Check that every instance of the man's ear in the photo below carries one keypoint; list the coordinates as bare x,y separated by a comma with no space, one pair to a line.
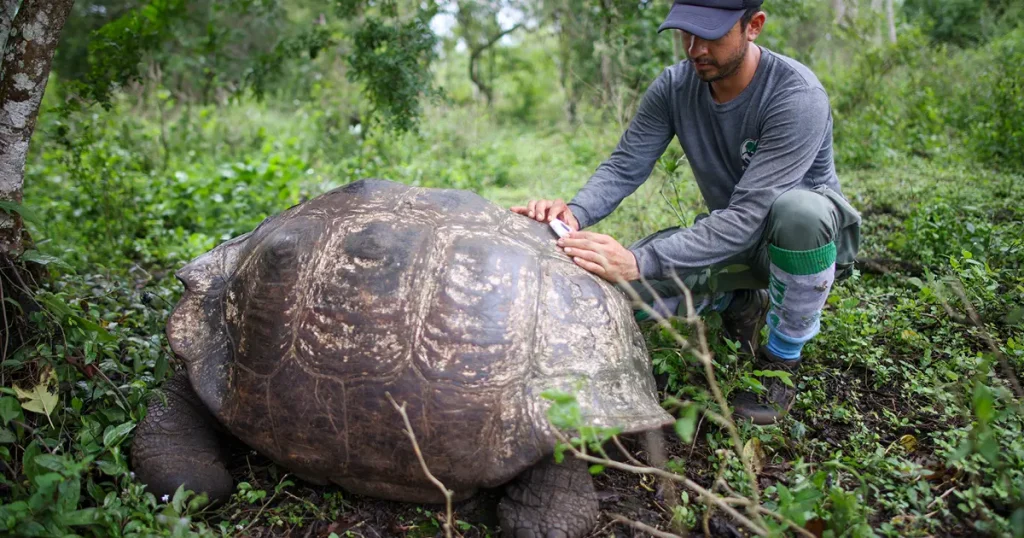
756,25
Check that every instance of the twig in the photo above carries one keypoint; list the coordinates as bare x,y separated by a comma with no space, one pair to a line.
697,488
117,391
703,354
629,456
1008,371
423,464
709,373
262,508
940,497
644,528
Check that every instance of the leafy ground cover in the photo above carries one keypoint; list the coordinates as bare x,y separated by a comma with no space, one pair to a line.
905,424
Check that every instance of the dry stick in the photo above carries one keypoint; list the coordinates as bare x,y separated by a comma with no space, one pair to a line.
629,456
122,397
262,508
709,372
423,464
704,355
644,528
710,497
706,521
1008,372
722,420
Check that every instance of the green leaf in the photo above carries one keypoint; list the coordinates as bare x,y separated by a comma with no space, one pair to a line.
596,469
28,461
558,396
61,310
734,268
983,403
68,494
197,502
1017,523
85,516
559,454
785,497
39,399
10,409
1015,316
49,461
178,500
7,436
686,426
785,377
161,368
26,213
35,256
111,468
114,436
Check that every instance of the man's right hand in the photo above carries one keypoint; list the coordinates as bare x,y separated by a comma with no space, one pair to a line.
547,210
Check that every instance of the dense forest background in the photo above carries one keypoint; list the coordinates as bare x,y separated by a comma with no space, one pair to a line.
169,126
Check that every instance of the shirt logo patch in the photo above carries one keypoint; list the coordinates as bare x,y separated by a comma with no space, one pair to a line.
747,151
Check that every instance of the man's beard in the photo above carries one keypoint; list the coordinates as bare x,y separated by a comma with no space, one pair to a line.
724,70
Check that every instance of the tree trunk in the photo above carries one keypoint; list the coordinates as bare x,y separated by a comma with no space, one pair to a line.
474,62
606,56
28,53
890,18
7,10
839,10
565,62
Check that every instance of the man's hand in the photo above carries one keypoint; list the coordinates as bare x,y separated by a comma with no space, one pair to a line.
547,210
601,255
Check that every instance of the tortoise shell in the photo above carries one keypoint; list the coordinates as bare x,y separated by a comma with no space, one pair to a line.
294,334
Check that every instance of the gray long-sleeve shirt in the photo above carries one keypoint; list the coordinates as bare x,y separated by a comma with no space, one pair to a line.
775,136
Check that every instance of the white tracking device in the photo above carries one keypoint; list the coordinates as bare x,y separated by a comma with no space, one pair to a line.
561,229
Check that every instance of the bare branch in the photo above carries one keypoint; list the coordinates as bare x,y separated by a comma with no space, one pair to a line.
689,484
972,315
643,528
448,526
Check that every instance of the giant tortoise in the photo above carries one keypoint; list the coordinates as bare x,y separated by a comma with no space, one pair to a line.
294,334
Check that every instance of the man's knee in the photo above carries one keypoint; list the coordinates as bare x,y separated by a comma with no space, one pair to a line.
801,220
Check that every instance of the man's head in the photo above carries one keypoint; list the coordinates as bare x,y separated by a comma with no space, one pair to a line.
716,33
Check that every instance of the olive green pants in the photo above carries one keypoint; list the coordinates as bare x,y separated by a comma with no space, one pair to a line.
798,220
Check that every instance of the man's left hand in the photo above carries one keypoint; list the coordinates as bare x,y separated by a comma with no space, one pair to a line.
601,255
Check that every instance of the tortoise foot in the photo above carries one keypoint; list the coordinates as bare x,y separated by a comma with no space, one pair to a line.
178,443
550,500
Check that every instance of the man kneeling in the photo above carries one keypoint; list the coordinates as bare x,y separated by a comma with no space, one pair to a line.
756,128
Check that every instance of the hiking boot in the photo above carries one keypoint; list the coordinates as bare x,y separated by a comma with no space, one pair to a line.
743,319
778,397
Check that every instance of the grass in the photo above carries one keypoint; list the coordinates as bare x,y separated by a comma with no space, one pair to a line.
904,425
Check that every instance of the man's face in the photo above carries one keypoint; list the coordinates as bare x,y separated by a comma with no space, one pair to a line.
716,60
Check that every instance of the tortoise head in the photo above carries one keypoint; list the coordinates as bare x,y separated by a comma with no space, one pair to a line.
196,330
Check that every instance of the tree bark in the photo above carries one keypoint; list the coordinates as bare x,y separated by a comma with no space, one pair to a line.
7,10
839,10
890,18
565,57
28,54
606,57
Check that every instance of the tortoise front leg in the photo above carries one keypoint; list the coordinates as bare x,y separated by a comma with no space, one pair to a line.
178,443
550,500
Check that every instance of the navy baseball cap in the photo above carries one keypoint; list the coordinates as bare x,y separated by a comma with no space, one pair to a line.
707,19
